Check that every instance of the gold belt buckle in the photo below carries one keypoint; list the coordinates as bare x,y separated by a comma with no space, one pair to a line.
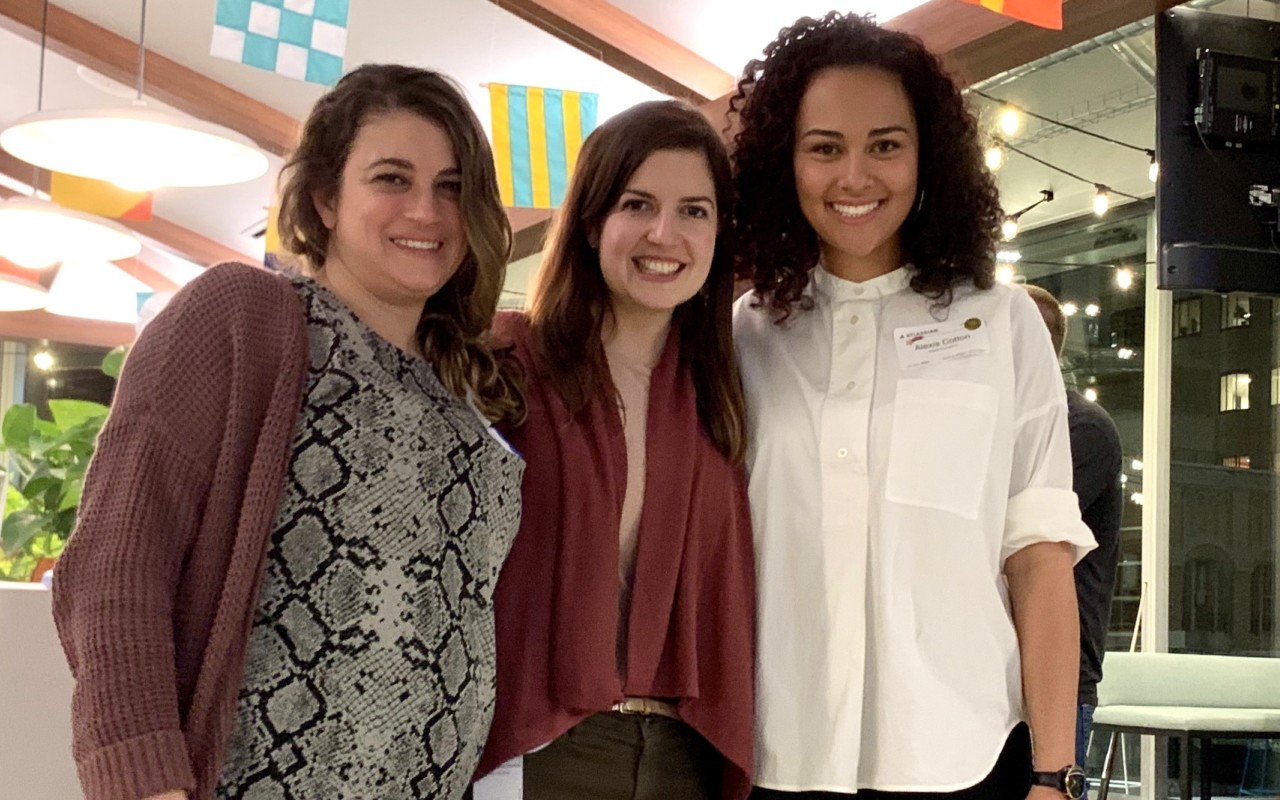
645,706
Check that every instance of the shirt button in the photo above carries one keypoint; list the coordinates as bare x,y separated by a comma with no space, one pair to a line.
842,453
857,291
850,385
853,320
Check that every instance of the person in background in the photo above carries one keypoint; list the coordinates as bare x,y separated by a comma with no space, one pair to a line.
281,580
909,464
1097,463
626,609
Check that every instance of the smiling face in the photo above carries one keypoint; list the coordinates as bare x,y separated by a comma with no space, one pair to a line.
856,160
396,231
658,239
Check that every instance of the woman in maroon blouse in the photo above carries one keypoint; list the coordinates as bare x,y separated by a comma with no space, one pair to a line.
626,611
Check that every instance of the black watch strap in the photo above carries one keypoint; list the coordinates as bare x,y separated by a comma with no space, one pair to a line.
1069,780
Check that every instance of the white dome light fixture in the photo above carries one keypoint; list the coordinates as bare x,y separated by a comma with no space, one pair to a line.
35,234
18,293
95,290
137,148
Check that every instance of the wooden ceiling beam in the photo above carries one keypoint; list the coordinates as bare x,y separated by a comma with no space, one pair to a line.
37,325
115,56
626,44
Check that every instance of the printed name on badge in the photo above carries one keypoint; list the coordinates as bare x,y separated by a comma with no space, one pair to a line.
941,341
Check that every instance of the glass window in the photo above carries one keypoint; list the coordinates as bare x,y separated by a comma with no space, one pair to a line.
1186,317
1237,462
1234,395
1235,311
1103,353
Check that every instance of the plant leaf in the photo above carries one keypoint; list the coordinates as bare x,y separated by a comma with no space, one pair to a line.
19,422
71,494
19,528
68,414
114,362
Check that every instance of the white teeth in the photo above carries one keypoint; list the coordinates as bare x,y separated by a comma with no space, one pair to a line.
417,244
855,211
658,267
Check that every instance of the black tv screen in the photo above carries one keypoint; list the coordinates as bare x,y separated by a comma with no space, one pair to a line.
1216,115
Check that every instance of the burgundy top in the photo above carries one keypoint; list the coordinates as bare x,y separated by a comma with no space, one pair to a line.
691,630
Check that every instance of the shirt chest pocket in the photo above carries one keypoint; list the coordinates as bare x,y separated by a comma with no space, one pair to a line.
940,445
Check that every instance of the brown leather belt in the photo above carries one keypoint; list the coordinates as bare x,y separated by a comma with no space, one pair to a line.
646,706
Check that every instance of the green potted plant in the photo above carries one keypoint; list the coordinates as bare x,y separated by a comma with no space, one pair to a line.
47,459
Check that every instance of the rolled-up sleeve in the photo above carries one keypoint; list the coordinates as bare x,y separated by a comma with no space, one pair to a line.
1042,506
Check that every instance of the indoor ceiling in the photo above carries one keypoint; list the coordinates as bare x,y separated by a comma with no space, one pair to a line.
623,50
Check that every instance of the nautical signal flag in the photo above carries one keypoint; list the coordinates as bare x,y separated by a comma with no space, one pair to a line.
1044,13
537,134
99,197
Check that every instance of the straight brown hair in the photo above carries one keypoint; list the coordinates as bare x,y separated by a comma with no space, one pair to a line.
569,298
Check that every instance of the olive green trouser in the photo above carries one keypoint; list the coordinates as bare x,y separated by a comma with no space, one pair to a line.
616,756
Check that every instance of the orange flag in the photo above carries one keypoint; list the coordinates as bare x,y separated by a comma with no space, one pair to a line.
1045,13
99,197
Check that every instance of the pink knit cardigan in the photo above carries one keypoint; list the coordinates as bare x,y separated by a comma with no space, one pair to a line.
154,596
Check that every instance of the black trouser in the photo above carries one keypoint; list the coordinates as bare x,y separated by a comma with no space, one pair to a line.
1010,779
625,757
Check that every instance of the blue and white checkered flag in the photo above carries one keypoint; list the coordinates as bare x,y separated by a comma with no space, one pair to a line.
303,39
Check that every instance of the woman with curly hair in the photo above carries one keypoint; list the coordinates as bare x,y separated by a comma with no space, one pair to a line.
910,470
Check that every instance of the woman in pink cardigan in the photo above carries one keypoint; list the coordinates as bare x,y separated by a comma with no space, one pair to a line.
281,580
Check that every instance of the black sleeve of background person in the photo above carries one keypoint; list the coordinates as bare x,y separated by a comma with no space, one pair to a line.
1096,458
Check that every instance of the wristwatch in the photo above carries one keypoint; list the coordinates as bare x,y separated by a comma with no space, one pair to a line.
1069,780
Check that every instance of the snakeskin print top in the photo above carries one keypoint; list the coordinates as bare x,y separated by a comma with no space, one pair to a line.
370,664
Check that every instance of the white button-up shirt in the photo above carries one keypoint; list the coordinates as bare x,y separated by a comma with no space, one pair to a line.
898,455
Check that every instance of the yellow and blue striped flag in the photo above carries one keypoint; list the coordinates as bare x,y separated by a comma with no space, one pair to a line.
537,134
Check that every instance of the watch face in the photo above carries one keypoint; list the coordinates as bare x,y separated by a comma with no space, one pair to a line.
1074,783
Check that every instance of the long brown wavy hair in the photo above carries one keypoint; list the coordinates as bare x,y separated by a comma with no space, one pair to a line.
452,331
569,298
949,238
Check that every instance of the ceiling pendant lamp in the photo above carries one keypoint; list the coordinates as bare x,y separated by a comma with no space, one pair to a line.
138,148
36,233
17,291
95,290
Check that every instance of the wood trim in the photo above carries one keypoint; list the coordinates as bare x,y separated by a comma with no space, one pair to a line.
1012,46
168,81
626,44
148,274
529,240
43,325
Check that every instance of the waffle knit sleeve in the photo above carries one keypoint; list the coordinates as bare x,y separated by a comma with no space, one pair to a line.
143,500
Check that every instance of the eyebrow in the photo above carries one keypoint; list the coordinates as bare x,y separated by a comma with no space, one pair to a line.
874,132
400,163
650,196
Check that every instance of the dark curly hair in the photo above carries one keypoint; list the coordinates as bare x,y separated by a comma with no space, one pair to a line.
950,237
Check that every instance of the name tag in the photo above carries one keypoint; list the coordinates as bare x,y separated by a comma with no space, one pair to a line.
941,341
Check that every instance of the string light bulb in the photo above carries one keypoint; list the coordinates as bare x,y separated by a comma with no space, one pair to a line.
1070,309
1010,121
1101,200
994,156
1124,278
1004,273
1091,394
1009,228
1153,171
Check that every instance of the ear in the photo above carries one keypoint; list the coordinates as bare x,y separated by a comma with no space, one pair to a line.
593,238
326,208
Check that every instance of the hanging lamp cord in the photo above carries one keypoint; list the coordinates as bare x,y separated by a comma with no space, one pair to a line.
142,48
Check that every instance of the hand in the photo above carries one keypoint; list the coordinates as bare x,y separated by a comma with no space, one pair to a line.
174,795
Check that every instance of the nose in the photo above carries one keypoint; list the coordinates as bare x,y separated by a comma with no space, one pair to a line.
855,173
423,205
662,230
